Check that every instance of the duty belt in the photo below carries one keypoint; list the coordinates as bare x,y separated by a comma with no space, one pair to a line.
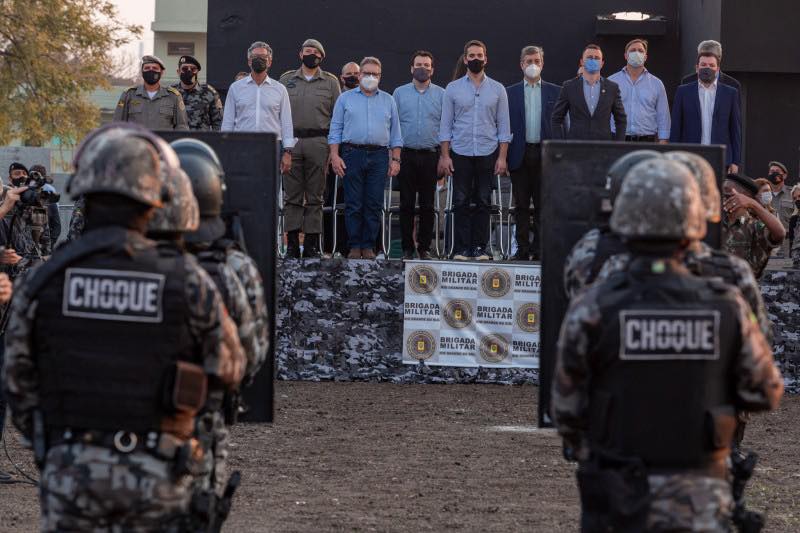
162,445
366,147
422,150
308,133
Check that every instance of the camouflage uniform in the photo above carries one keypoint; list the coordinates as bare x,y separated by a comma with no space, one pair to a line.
247,271
76,221
19,223
698,258
203,106
85,485
590,352
748,238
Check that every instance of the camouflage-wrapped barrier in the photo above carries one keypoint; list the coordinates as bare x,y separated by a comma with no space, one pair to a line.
342,320
781,290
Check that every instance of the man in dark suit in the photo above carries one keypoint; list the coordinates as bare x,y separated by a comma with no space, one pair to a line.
530,104
707,112
715,48
590,100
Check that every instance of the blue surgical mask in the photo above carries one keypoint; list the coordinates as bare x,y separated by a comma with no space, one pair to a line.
591,66
635,59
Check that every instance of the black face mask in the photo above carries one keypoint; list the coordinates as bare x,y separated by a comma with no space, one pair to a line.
773,178
311,61
706,74
475,65
151,77
187,77
259,64
421,74
797,204
351,82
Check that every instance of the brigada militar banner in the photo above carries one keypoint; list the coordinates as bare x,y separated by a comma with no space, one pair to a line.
471,314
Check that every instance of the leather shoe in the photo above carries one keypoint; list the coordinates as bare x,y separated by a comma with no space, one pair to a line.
355,253
367,253
425,255
408,255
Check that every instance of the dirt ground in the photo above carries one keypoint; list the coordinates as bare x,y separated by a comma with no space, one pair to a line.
382,457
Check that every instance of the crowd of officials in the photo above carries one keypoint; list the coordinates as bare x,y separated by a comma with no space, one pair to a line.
471,130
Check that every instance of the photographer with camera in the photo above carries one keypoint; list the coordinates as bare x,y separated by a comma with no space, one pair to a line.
53,218
25,231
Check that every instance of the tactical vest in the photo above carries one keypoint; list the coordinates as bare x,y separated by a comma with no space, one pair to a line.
717,264
111,325
660,387
211,260
609,244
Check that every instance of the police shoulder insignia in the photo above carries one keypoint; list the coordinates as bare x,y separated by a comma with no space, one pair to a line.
174,91
113,295
210,88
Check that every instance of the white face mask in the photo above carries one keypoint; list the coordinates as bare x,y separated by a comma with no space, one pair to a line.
369,83
532,71
635,59
766,198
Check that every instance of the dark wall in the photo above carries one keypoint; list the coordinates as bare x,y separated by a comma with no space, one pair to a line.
349,30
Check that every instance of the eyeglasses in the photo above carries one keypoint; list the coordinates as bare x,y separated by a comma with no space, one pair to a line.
376,74
189,69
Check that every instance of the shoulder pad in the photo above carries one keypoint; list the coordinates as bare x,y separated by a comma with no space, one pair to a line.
174,91
288,72
131,88
210,88
717,284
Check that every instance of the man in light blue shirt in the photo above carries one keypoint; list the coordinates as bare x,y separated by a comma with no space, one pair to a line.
419,104
475,123
366,125
643,96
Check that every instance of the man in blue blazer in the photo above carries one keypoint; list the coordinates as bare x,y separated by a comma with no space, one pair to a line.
708,112
530,104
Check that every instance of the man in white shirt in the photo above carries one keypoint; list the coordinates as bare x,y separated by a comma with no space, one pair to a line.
260,104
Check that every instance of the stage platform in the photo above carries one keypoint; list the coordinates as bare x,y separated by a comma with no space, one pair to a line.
342,320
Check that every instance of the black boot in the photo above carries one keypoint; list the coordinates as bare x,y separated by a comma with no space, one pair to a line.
311,246
293,245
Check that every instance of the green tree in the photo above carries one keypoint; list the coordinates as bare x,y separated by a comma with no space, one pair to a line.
53,53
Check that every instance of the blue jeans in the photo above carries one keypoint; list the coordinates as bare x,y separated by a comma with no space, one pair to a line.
472,193
364,182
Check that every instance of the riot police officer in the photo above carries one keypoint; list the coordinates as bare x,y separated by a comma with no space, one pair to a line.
110,349
598,244
210,243
652,365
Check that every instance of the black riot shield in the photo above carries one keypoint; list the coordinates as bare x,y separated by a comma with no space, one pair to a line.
251,178
573,187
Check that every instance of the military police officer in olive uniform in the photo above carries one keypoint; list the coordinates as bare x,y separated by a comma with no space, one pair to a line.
312,93
203,106
109,351
151,105
652,366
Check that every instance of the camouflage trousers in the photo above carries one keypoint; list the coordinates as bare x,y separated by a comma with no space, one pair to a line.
214,472
90,488
689,503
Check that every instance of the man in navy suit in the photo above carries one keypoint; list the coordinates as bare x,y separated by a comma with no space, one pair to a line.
707,112
530,104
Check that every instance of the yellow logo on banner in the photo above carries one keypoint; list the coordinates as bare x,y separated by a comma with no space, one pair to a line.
421,345
458,314
496,282
528,317
494,348
422,279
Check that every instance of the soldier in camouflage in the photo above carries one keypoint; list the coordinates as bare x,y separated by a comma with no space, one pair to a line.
598,244
203,106
700,258
110,414
652,455
749,230
225,264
